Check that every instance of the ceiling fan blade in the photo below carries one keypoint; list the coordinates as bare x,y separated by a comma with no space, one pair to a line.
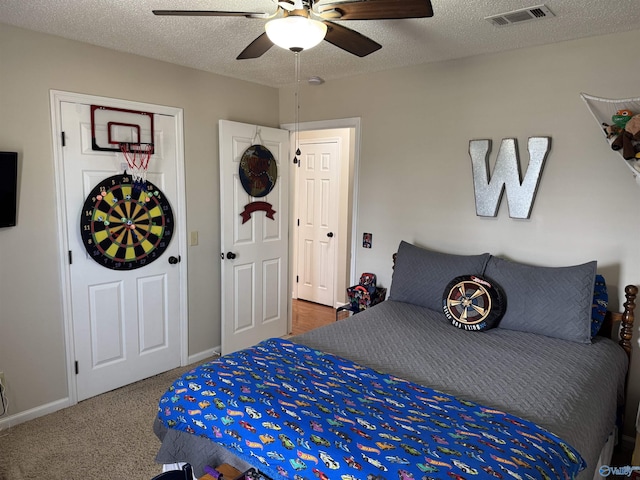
256,48
378,9
350,40
208,13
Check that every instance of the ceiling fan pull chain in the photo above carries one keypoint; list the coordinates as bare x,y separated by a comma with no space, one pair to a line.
297,106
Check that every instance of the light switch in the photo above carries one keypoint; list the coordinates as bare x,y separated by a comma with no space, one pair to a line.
193,240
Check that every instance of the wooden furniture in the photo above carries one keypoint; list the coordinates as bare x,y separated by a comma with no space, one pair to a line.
623,320
626,318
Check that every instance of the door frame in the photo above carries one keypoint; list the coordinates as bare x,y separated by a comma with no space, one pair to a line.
57,97
352,122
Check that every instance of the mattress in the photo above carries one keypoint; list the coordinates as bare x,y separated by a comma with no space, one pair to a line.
570,389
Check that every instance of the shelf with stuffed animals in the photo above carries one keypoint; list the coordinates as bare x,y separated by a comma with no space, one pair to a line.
619,120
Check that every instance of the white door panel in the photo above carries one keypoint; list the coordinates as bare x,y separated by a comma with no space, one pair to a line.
318,178
254,281
126,324
106,323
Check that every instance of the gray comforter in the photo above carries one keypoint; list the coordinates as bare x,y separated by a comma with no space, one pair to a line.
570,389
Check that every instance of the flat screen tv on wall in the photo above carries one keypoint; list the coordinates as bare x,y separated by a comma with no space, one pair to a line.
8,188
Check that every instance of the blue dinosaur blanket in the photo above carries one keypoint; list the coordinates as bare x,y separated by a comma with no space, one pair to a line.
295,412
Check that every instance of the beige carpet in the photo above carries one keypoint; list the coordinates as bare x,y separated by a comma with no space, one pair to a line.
108,437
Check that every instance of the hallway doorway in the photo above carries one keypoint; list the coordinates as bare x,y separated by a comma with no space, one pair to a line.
346,255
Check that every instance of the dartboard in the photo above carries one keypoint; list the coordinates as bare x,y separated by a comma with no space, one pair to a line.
126,225
258,171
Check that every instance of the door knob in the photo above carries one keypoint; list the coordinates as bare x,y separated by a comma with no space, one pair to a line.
231,255
173,260
330,234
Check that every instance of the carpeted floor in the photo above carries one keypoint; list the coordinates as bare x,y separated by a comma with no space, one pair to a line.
105,437
108,437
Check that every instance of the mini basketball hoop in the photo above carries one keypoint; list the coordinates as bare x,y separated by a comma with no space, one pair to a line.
137,156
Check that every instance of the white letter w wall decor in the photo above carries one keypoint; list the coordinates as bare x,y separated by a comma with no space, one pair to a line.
506,173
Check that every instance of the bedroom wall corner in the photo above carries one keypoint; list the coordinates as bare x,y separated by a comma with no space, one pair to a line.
415,178
32,349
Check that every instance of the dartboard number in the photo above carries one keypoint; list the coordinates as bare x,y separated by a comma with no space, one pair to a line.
126,225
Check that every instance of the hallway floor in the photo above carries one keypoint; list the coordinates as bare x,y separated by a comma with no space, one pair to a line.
308,315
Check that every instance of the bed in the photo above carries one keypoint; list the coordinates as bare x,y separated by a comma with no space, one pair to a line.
402,390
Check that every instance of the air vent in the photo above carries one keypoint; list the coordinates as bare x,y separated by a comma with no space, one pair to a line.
518,16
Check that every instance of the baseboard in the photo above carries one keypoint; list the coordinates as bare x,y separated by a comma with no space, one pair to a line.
199,357
13,420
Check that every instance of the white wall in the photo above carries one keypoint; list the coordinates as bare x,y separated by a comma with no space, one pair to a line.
414,181
415,178
32,350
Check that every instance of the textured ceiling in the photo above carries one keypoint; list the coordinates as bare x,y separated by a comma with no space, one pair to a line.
457,29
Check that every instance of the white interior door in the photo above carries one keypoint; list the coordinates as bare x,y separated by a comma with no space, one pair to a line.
318,199
126,322
254,240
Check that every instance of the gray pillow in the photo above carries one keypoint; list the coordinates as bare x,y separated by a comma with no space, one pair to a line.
551,301
421,275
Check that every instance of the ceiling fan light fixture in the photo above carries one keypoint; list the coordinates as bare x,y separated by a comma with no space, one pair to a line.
295,32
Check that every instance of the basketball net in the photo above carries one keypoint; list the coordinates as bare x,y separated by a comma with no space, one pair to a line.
137,156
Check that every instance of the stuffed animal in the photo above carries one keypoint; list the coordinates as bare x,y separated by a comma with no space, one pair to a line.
611,130
625,139
624,142
633,127
621,117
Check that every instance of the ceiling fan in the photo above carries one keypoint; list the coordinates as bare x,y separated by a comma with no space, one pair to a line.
317,18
